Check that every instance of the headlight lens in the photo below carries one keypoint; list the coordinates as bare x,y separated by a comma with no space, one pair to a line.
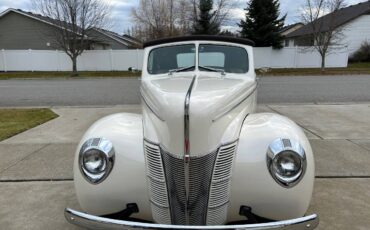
286,161
96,159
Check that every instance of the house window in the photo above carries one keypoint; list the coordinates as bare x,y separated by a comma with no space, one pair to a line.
286,42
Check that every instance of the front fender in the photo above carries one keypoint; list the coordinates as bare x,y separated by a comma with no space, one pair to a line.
127,181
252,184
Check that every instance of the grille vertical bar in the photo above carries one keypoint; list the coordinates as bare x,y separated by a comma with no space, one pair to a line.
157,184
221,185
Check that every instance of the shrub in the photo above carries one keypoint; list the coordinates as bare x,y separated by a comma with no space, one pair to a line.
362,54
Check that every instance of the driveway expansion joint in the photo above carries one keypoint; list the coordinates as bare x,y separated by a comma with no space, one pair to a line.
308,130
24,158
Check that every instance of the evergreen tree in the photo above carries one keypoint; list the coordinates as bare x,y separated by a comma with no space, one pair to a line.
206,23
262,23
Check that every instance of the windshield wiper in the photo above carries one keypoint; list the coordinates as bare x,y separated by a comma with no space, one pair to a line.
223,73
180,70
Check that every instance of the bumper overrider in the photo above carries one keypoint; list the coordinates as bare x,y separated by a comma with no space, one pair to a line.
95,222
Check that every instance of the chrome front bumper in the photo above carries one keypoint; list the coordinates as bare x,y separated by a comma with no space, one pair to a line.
94,222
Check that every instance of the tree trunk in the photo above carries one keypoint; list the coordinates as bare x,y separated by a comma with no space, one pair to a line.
74,68
323,63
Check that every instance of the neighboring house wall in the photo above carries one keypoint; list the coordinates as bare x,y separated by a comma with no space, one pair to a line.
356,32
113,44
19,32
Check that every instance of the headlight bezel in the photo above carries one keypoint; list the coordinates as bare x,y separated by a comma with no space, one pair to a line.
277,149
106,149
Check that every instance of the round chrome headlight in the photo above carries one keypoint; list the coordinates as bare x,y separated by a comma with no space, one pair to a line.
96,159
286,161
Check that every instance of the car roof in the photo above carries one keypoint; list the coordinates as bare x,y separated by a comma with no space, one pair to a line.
218,38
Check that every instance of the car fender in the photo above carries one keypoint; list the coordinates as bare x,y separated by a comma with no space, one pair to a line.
127,181
252,184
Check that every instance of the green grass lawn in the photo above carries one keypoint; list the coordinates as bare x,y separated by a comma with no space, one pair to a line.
84,74
353,68
15,121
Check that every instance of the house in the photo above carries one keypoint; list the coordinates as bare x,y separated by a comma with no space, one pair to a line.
21,30
289,29
354,21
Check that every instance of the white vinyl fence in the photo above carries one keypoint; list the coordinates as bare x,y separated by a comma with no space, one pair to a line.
120,60
298,57
94,60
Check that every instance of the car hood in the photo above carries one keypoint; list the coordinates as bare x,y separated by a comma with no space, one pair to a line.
211,99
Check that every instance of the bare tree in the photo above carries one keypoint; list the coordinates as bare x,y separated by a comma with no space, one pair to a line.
326,35
73,20
165,18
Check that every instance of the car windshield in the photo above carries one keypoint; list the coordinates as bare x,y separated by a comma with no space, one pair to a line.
212,58
172,59
230,59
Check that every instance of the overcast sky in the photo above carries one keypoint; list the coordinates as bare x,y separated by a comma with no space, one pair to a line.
122,9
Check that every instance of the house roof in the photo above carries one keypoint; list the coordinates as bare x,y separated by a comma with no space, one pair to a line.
126,40
38,17
335,19
288,27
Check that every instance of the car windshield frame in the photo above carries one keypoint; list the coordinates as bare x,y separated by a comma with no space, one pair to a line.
197,59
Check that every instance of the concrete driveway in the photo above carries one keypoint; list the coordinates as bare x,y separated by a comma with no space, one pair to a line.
36,166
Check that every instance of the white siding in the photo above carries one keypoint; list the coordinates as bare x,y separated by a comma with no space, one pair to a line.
356,32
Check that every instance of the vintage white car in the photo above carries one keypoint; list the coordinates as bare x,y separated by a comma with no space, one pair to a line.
199,156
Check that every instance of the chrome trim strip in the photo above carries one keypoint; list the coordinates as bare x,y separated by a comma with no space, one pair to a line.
150,108
235,106
94,222
187,145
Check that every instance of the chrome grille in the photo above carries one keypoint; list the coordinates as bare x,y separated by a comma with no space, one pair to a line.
199,180
175,176
221,184
157,184
200,173
209,186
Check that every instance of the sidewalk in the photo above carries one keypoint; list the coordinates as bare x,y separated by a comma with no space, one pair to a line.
36,166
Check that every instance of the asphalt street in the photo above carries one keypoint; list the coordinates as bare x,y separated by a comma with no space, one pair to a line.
119,91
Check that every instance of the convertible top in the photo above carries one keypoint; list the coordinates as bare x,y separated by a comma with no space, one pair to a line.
218,38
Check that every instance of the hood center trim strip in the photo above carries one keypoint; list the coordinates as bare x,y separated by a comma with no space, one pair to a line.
187,145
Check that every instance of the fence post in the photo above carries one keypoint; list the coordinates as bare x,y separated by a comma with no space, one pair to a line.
4,60
137,59
295,57
30,60
57,60
111,59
